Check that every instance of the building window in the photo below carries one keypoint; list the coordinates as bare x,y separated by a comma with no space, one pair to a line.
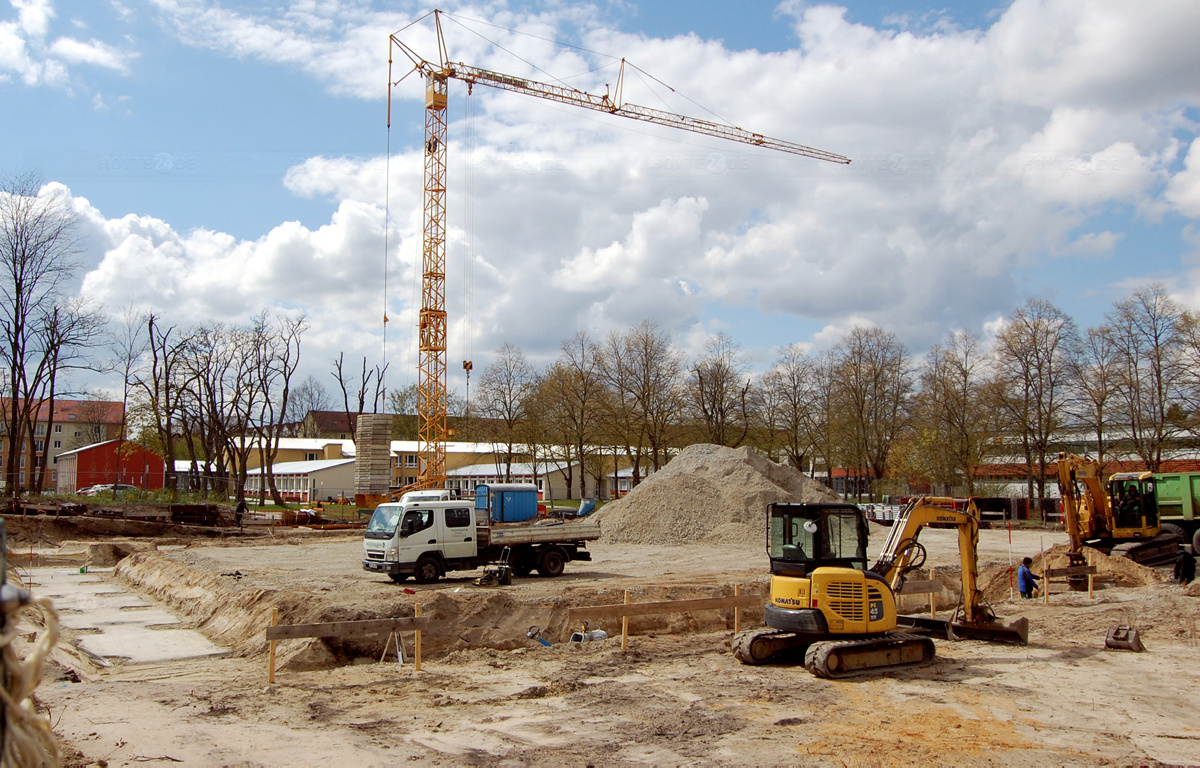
410,460
58,429
39,430
39,446
78,433
311,457
58,443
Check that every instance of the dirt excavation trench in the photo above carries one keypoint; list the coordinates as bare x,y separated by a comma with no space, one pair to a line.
489,695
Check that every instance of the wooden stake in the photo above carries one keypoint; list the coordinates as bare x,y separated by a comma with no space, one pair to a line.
417,649
271,661
625,626
737,612
1091,577
933,595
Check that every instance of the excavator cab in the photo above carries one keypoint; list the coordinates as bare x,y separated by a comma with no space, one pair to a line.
1134,505
804,537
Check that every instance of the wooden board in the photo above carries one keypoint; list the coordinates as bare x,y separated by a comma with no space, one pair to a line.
347,628
920,587
1074,570
669,606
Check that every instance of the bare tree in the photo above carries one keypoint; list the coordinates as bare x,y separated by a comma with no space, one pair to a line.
1151,371
1095,382
873,384
794,387
575,395
355,393
39,243
952,423
1035,355
307,396
502,397
719,391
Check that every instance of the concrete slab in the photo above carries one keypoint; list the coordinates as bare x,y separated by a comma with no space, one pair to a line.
106,616
144,646
125,622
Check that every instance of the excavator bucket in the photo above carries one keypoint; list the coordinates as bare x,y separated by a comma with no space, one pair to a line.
1016,633
1124,639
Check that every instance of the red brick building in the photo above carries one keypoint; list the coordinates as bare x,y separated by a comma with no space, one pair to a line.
77,423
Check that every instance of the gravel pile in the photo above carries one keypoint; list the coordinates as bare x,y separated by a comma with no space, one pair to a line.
707,494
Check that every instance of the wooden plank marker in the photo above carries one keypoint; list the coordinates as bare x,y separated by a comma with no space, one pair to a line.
625,626
271,661
417,649
737,611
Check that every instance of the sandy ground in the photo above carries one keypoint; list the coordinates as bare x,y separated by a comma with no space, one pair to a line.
676,697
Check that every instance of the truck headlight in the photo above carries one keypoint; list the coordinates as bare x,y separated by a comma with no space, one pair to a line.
391,554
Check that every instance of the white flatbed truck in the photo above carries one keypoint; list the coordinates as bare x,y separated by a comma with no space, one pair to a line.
426,538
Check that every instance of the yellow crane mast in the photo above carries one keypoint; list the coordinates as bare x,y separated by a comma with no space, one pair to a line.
432,432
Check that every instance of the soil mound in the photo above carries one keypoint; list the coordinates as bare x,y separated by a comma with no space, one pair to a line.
708,493
1119,571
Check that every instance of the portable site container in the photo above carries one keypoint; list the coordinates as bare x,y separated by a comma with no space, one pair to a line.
1178,495
507,502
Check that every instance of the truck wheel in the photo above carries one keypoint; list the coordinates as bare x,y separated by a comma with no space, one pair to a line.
552,563
1196,542
427,570
399,578
522,567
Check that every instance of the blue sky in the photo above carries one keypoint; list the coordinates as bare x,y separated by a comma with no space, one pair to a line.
231,157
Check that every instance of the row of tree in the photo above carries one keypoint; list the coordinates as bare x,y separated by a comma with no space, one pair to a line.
1127,389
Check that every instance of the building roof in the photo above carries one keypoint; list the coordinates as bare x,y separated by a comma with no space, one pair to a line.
334,421
489,469
301,467
77,411
93,446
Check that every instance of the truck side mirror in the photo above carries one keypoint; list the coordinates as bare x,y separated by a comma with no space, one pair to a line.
406,528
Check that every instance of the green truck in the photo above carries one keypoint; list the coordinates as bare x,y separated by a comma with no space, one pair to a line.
1178,495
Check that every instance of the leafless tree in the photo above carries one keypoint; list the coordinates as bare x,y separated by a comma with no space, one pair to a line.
719,392
1151,370
502,397
793,384
574,392
952,423
39,243
1096,380
307,396
873,386
1035,354
355,393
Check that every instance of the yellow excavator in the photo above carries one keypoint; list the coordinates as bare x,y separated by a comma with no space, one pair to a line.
841,615
1123,521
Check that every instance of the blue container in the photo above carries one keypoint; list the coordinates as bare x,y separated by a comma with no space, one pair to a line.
507,502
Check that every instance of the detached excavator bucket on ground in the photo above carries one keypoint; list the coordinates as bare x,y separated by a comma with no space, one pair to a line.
1124,639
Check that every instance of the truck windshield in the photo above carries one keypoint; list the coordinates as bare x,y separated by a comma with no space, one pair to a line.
385,519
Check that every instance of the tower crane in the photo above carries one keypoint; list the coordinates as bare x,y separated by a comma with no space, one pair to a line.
432,431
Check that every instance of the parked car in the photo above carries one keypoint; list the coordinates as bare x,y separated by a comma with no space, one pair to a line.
115,489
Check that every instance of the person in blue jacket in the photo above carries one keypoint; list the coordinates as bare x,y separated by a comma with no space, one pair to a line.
1026,581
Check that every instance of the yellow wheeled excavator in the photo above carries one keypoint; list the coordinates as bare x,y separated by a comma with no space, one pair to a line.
827,605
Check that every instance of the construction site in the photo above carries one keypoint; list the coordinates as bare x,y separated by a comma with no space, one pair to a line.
164,655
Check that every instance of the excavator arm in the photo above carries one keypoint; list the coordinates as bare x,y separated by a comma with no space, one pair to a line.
902,552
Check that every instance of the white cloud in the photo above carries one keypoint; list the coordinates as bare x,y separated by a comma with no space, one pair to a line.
25,52
976,154
92,52
1184,190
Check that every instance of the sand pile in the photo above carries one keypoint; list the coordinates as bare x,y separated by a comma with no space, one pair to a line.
1118,571
708,493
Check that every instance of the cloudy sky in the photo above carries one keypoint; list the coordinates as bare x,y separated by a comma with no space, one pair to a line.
229,157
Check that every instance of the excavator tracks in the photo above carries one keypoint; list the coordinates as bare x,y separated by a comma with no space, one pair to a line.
762,646
842,658
1160,550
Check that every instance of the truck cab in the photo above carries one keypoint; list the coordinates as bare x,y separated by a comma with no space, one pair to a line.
420,537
